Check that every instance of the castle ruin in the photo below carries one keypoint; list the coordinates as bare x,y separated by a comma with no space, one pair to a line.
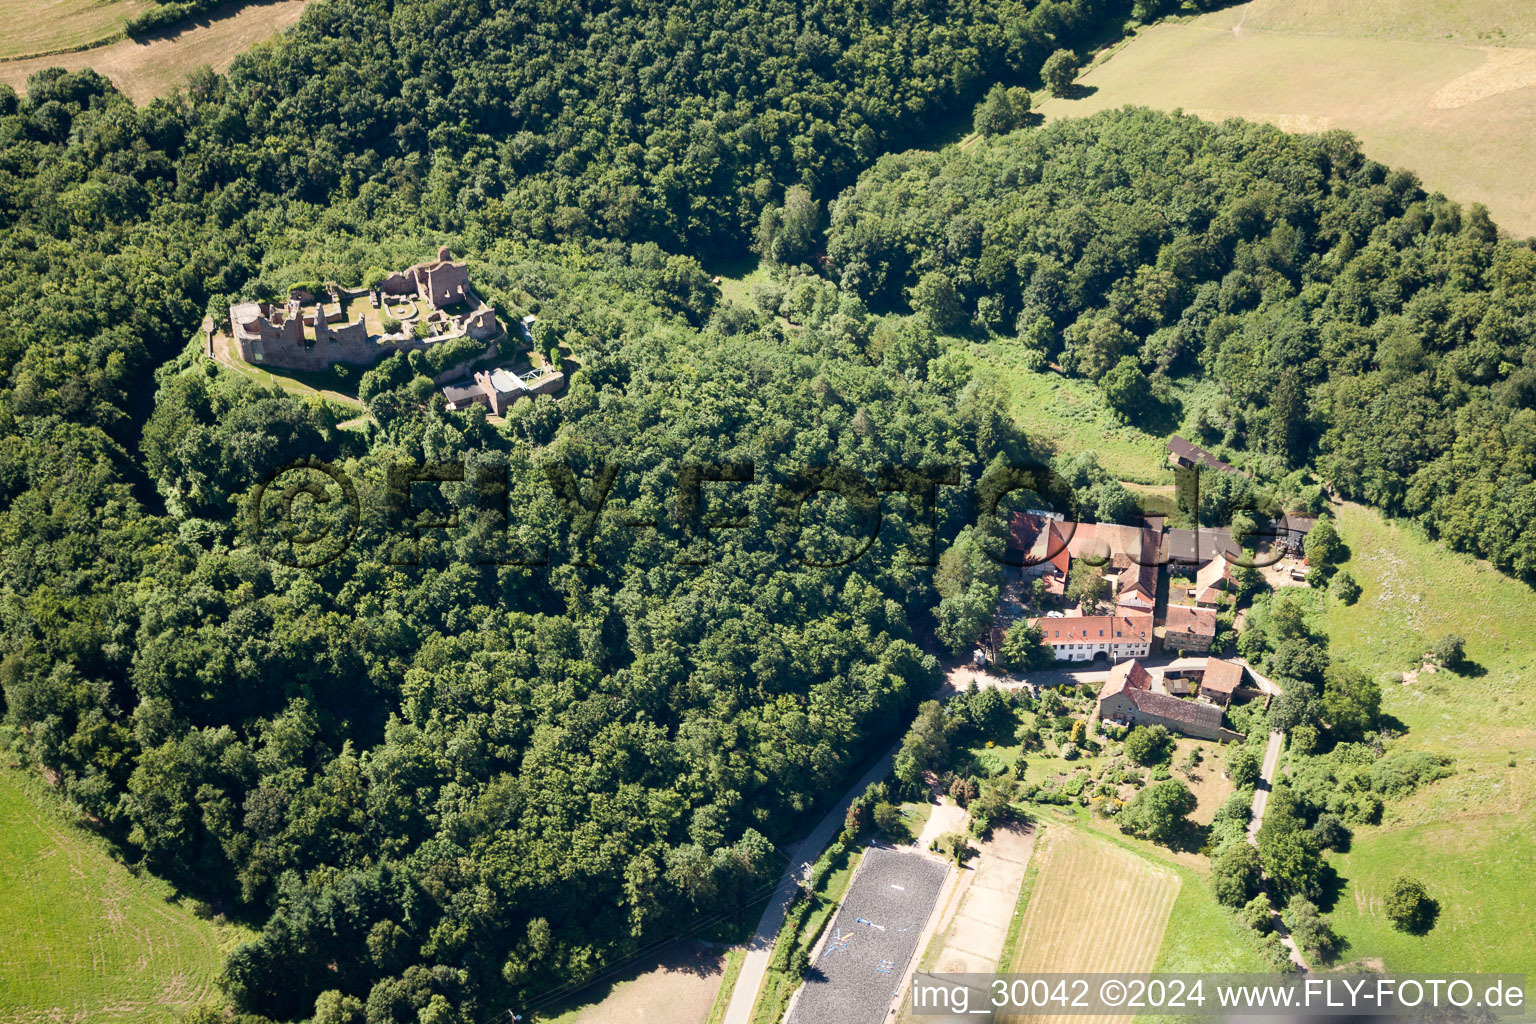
307,333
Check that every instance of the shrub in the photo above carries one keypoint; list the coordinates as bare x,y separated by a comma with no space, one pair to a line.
989,764
1243,768
1450,651
1409,906
388,323
1311,930
963,791
1275,952
1397,775
1345,588
1257,914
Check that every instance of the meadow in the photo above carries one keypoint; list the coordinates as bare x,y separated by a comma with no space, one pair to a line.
84,939
1468,837
1447,90
1070,415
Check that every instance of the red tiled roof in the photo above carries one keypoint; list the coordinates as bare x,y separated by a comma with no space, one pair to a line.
1221,676
1194,621
1080,629
1128,675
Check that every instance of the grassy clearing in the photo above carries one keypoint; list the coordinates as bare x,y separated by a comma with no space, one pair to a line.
736,282
733,962
1425,85
1205,780
1070,415
1476,868
83,938
1413,591
146,70
1467,837
63,24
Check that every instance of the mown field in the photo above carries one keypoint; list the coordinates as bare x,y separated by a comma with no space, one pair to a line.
62,24
1094,906
679,987
1447,90
146,70
1468,837
83,939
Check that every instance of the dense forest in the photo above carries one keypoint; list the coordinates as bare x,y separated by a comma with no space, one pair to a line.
439,790
445,788
1287,296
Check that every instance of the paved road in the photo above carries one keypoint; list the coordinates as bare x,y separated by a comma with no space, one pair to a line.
755,966
1266,781
1261,801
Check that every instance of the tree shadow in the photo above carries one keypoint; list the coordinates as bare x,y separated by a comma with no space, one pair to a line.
1190,838
1158,415
1334,953
195,22
1079,91
1470,669
1330,886
1424,920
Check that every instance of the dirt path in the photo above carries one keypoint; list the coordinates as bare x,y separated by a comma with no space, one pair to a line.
975,938
947,816
149,69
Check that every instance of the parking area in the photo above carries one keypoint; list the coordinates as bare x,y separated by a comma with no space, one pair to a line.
869,944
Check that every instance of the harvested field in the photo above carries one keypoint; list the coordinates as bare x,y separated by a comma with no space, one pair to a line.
69,24
870,942
1447,91
145,70
677,987
1095,907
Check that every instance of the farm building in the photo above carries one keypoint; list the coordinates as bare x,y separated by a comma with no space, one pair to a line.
1085,637
1128,698
1189,629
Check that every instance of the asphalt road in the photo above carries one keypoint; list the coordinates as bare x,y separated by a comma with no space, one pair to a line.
1261,801
760,949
